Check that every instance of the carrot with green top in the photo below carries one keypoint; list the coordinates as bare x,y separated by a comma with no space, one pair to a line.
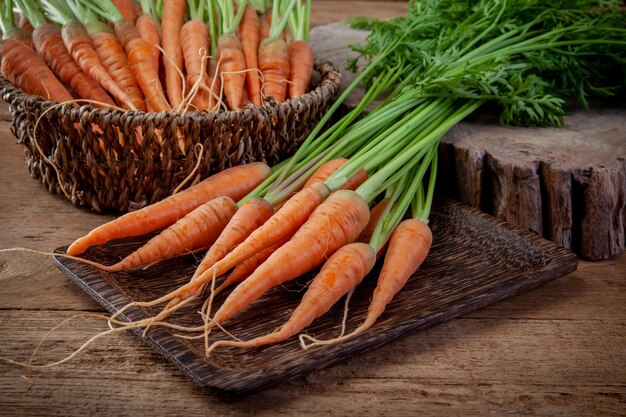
22,66
148,26
80,47
274,55
301,54
171,22
195,43
230,56
110,53
139,55
249,36
48,42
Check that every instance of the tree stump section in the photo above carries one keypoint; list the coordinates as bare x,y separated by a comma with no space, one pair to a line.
565,184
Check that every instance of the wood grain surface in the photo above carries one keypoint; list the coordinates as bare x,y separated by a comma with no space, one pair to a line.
556,350
475,260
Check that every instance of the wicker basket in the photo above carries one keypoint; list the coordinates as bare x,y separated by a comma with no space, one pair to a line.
102,172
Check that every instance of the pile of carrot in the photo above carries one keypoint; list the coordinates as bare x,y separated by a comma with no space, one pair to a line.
169,55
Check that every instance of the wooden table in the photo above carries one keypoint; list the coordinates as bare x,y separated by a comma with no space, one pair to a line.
559,349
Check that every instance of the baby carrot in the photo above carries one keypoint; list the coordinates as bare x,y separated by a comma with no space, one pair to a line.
249,36
335,223
343,271
171,23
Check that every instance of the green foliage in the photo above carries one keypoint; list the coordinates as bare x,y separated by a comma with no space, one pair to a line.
527,55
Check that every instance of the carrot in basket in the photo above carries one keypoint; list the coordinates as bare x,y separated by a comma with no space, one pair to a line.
171,23
194,40
48,43
232,69
335,223
80,47
126,9
110,53
22,66
328,168
148,29
344,270
274,55
233,182
301,55
249,36
198,229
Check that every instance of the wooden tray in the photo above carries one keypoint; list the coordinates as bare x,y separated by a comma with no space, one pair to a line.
475,260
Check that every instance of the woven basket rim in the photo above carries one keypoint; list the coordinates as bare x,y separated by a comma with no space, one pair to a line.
330,79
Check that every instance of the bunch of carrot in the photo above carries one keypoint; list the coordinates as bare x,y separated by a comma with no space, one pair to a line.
170,55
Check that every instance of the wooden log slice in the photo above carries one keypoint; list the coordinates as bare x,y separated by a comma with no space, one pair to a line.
565,184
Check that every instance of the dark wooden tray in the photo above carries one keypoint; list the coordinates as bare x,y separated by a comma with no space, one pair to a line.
475,260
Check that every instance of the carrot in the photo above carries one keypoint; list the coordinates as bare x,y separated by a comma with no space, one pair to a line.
232,67
194,39
113,58
327,169
80,47
343,271
252,215
335,223
148,29
171,23
408,247
285,222
247,267
274,65
141,62
126,9
249,36
234,182
26,70
301,59
264,26
48,43
375,215
23,23
198,229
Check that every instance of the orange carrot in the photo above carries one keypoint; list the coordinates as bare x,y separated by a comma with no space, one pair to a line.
48,43
274,65
149,31
335,223
408,247
375,214
141,63
264,26
198,229
171,23
232,67
247,267
285,222
249,36
234,182
301,59
126,9
250,216
80,47
327,169
194,40
343,271
113,58
26,70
